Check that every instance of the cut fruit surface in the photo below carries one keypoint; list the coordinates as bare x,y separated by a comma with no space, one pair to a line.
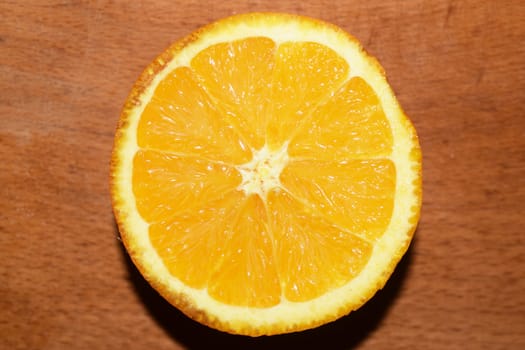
264,178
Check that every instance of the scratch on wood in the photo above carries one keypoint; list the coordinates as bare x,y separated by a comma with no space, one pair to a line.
371,37
451,8
479,75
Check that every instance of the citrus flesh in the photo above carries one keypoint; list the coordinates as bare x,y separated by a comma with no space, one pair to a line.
264,178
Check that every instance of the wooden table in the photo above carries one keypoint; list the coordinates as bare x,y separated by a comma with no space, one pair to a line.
66,67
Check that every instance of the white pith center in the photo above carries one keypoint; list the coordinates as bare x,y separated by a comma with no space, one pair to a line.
261,174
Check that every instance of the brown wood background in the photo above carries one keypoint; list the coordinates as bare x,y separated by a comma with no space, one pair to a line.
66,67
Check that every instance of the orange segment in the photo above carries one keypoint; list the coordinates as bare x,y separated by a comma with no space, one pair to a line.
357,194
238,75
190,244
350,124
247,273
313,256
181,118
166,184
304,74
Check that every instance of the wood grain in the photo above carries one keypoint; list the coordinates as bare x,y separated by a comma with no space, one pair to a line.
66,68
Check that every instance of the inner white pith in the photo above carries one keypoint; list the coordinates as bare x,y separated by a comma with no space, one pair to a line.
261,174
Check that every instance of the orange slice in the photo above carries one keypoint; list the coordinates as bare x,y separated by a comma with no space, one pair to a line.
264,178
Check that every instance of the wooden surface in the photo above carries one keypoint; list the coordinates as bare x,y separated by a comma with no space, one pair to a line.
66,67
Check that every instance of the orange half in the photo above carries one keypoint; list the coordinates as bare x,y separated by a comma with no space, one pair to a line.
264,178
